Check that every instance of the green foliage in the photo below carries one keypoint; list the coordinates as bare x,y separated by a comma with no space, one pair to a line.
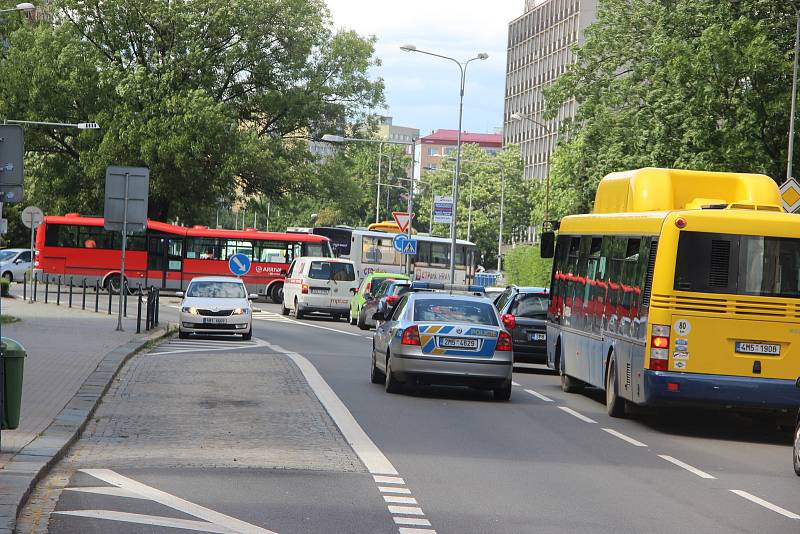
674,83
215,97
4,287
523,266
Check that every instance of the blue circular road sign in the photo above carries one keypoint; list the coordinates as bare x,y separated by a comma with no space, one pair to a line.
239,264
399,242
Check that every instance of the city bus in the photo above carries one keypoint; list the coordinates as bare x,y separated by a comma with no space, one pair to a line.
372,251
168,256
681,288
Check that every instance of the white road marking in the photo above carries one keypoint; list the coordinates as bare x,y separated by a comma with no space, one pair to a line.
417,531
230,524
412,521
187,524
388,489
107,490
374,460
623,437
539,395
208,345
766,504
406,510
388,480
324,328
515,383
576,414
691,469
399,500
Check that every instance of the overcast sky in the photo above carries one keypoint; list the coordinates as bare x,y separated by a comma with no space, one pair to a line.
422,91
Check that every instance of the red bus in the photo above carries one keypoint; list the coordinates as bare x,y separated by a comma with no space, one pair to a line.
168,256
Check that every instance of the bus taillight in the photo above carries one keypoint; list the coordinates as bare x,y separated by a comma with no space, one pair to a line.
659,348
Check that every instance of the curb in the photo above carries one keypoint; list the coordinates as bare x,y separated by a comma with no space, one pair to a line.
33,462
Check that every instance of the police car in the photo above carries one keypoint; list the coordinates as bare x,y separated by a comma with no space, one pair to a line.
436,337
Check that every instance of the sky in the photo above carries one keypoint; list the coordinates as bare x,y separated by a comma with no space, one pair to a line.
422,91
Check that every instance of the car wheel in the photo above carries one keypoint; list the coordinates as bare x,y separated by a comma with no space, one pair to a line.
276,295
376,376
284,309
8,276
362,320
503,393
249,335
391,384
615,406
182,334
796,450
350,318
297,313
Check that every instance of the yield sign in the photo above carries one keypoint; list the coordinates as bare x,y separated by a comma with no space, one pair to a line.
403,219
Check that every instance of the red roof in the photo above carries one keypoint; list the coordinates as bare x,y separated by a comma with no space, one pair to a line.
450,137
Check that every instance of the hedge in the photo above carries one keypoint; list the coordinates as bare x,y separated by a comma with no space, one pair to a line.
524,267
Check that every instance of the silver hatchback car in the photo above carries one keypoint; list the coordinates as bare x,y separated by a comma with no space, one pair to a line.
439,338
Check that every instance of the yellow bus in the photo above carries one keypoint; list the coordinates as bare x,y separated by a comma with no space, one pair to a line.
386,226
681,288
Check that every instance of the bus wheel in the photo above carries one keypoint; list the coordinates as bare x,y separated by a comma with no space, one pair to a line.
113,284
615,406
276,294
569,384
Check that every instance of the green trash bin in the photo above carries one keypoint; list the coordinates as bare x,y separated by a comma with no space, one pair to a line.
13,355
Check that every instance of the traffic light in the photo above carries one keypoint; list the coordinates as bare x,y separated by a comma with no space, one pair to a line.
11,157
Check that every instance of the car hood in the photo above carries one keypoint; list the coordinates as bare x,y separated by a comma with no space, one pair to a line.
210,304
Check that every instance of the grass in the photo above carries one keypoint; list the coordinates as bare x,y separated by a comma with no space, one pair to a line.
5,319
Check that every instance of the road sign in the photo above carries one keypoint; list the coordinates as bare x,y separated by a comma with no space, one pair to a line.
126,185
443,209
410,247
402,219
790,195
399,242
11,157
239,264
32,217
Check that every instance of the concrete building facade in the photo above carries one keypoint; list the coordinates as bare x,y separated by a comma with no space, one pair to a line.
539,50
431,149
391,132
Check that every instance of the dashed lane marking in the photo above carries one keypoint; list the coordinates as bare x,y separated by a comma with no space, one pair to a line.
691,469
380,479
389,489
538,395
416,531
766,504
623,437
394,499
515,383
577,414
406,510
412,521
142,519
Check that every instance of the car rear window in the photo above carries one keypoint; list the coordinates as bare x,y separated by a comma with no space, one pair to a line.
454,311
531,305
328,270
216,290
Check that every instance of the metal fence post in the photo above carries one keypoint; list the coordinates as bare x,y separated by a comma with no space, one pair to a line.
156,304
70,291
109,297
149,304
139,310
83,304
96,296
25,285
46,288
35,286
124,297
58,297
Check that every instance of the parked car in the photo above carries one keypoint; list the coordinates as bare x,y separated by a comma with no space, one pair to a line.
319,285
364,290
216,305
385,296
14,262
523,311
493,292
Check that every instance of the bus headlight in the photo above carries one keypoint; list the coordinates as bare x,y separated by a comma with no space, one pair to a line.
191,310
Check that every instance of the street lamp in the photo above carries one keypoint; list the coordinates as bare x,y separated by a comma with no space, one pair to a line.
521,116
794,94
25,7
463,68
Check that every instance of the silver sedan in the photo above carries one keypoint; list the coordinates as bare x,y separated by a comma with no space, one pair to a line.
443,339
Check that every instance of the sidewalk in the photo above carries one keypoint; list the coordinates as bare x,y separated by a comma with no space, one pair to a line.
72,357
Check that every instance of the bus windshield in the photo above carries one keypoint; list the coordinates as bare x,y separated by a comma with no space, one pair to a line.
738,264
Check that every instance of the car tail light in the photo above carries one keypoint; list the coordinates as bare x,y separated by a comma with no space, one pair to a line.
305,289
391,300
411,336
367,287
504,341
659,348
509,321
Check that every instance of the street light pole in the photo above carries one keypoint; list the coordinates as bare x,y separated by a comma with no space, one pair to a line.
378,194
502,208
794,95
463,68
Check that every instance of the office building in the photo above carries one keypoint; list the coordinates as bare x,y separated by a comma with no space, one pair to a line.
431,149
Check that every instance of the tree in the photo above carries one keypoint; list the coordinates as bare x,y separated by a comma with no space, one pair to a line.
215,97
674,83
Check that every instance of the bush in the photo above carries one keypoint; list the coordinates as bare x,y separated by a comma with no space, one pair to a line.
4,286
524,267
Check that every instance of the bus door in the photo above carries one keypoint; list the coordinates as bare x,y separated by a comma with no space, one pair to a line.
165,261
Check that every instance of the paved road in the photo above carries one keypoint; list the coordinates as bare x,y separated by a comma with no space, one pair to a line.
545,462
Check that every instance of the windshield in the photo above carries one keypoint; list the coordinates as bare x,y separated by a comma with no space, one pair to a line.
6,255
531,305
216,290
454,311
738,264
336,271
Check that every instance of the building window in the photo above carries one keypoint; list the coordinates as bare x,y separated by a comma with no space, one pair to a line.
448,151
433,152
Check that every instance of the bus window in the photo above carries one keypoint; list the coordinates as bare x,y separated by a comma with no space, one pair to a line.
273,252
379,250
317,249
235,246
204,248
440,253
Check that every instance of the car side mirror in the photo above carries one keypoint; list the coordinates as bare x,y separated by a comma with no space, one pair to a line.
547,248
252,296
179,293
379,316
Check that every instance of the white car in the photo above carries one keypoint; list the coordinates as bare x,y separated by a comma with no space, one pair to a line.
321,285
216,305
14,262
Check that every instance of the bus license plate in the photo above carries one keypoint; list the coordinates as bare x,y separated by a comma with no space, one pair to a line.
538,336
214,320
458,343
771,349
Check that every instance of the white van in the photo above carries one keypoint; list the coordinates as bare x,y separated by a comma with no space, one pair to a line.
323,285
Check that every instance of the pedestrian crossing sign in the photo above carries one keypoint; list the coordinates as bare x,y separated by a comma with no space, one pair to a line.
410,247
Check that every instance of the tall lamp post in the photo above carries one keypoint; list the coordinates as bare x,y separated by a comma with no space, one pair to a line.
25,7
463,68
794,94
550,143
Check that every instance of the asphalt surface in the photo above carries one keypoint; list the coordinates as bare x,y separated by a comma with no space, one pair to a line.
547,461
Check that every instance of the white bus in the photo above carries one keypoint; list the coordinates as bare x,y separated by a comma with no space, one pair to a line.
373,252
